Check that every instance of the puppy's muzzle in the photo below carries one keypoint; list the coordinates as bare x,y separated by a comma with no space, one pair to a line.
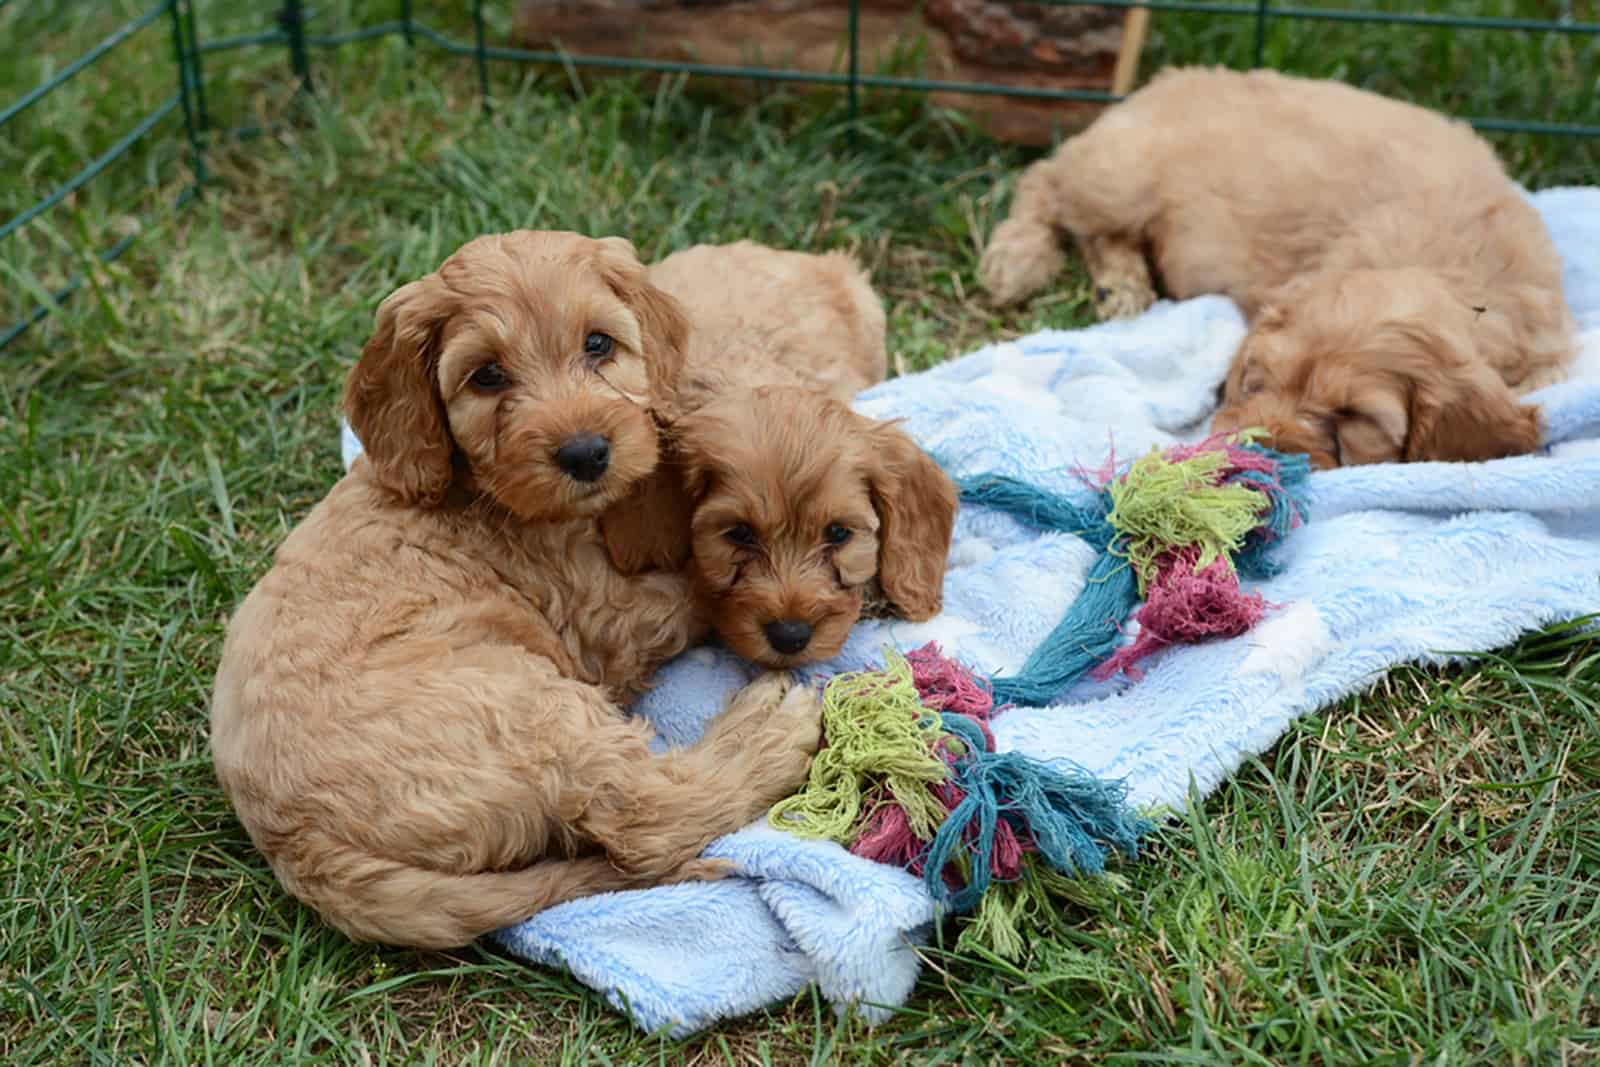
788,636
584,458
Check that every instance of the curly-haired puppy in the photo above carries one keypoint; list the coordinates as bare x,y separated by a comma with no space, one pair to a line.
797,508
418,711
803,508
1401,291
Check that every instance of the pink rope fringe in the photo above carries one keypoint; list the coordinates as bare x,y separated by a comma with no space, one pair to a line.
1184,606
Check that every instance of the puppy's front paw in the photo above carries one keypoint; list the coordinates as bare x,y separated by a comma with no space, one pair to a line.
1021,259
748,712
784,748
1122,299
799,718
766,692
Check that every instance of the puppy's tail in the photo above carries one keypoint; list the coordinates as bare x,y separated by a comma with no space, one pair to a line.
369,898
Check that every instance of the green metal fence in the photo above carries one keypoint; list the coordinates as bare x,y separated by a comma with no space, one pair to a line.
294,35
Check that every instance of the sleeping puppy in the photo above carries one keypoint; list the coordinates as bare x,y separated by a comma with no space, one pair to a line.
1401,292
419,713
791,510
1376,366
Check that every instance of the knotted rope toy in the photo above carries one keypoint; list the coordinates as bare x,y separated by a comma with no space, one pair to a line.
909,773
1178,527
910,776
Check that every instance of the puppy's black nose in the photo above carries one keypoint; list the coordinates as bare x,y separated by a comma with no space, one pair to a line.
788,635
584,457
1100,293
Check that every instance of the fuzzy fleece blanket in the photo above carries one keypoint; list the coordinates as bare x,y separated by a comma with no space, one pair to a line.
1398,564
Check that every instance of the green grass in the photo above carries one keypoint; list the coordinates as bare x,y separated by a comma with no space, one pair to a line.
1411,876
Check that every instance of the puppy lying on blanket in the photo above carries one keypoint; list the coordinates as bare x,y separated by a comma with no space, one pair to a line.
418,713
1401,291
798,506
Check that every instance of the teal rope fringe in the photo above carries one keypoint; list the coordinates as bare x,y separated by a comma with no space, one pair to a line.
1092,628
1087,634
1070,816
1034,507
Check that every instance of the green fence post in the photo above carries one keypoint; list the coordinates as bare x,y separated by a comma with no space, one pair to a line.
855,59
406,28
292,17
186,57
1261,30
481,54
201,111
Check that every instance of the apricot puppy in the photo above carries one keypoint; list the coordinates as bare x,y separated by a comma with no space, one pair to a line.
802,509
1401,291
418,714
794,509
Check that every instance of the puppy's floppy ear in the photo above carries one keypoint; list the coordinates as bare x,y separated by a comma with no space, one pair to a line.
649,529
1469,417
392,396
1374,427
916,505
662,320
1459,408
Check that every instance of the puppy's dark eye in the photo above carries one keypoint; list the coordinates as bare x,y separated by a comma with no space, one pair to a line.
836,534
490,377
741,534
597,347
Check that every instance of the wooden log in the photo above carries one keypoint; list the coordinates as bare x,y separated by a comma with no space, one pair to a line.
1016,44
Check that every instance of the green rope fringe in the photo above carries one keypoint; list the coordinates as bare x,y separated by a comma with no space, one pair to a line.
1160,505
880,735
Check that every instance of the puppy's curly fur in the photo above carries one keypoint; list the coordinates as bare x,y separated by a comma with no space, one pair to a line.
796,506
765,316
417,715
1401,291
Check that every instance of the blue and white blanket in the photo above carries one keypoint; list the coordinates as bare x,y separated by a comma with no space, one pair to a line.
1398,564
